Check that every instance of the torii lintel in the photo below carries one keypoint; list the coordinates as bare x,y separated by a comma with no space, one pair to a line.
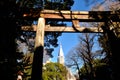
71,16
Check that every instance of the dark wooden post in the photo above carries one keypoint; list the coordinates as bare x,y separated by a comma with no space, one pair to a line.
39,50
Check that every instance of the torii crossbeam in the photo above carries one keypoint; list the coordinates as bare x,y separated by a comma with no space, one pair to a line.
71,16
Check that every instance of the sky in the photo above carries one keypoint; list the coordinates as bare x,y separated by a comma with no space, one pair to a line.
70,40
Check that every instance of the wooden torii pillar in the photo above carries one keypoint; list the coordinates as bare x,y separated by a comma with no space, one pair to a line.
71,16
39,50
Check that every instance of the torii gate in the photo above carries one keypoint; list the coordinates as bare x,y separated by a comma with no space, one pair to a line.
55,15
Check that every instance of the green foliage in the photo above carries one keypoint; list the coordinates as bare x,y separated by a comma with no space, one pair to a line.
101,70
53,71
59,5
28,38
46,4
25,65
27,6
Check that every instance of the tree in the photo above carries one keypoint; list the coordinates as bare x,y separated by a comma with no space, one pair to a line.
99,3
25,66
73,61
110,38
84,52
7,40
50,39
54,71
11,19
101,69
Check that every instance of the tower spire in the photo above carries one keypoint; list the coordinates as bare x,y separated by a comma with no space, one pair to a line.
61,55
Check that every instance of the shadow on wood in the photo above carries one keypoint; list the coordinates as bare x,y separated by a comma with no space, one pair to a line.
37,64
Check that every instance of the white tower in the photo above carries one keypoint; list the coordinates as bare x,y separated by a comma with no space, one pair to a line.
61,55
70,76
